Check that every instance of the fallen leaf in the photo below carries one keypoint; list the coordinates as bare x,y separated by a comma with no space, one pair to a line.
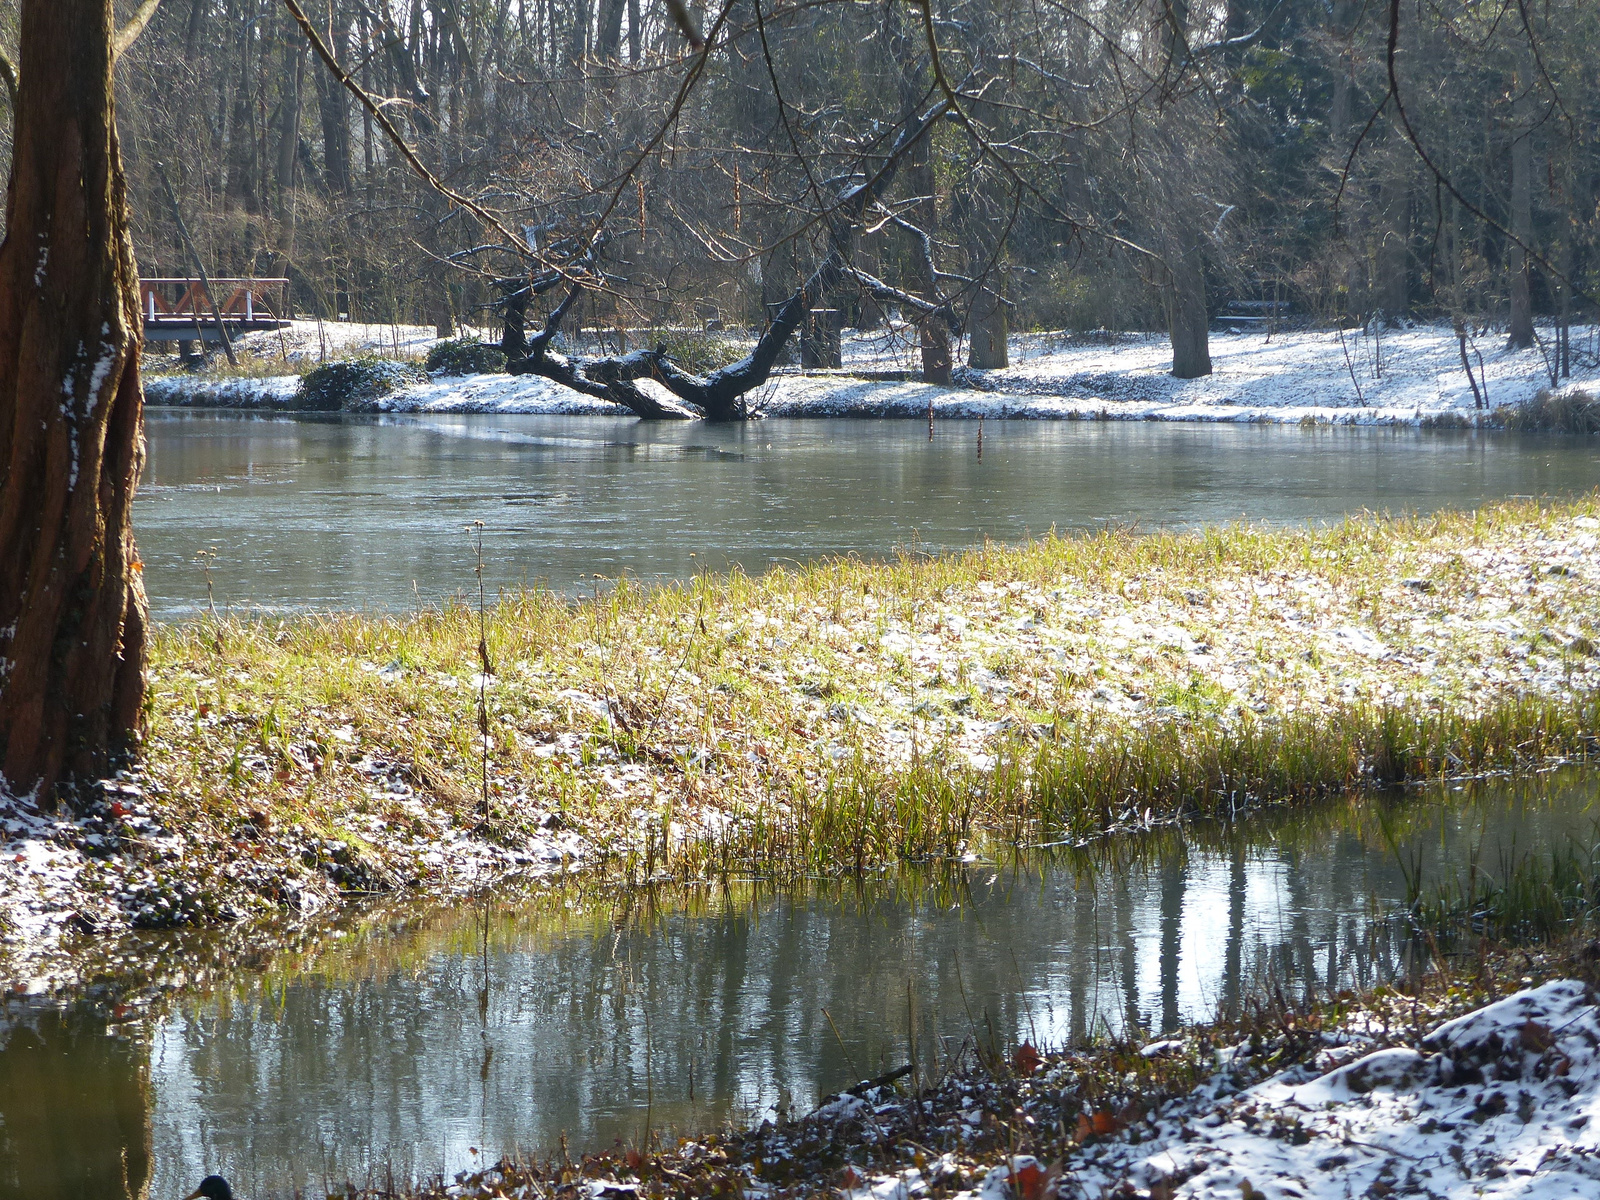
1026,1060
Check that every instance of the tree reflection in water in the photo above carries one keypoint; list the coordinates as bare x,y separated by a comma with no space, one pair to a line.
74,1107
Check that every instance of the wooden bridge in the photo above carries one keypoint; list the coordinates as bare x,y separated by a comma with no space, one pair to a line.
176,310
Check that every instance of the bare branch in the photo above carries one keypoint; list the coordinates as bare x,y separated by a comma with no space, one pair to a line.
129,33
8,73
684,20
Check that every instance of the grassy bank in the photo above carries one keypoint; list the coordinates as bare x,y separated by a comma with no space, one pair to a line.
840,716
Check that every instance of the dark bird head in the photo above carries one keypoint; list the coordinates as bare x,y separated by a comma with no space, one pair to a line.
212,1187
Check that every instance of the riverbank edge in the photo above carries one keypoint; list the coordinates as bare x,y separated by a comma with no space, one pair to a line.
862,398
1117,1115
151,854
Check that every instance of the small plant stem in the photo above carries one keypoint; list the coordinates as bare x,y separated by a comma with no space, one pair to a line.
485,668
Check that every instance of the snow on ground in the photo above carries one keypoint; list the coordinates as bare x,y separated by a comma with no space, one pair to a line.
121,865
1502,1102
313,341
186,391
497,394
1317,374
1396,377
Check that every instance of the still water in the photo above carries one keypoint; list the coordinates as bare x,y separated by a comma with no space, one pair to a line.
410,1043
358,512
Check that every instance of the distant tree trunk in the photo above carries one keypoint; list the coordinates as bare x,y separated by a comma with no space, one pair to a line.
239,188
987,328
933,335
1522,220
193,28
333,107
294,66
1185,298
72,607
1394,250
1342,104
608,41
578,41
634,44
1184,292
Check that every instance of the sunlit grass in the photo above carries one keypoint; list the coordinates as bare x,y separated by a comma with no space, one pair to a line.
798,722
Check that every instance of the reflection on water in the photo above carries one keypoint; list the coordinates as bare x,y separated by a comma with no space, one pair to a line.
507,1025
74,1109
369,511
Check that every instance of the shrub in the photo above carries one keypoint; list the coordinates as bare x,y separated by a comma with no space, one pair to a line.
1102,294
1447,420
354,384
696,352
465,356
1552,412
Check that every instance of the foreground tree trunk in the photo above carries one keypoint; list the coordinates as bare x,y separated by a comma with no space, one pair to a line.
72,607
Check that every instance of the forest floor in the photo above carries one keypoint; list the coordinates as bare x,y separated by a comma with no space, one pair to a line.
1446,1088
1302,375
818,720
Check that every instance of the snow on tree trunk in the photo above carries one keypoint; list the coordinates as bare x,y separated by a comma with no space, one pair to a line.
72,606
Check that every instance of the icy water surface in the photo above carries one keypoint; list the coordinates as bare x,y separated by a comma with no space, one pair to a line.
356,512
413,1043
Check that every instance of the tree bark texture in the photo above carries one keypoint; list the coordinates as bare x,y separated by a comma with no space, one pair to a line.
72,605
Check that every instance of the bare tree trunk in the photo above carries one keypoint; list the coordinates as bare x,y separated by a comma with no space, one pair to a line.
294,66
1184,292
240,188
633,31
72,607
1394,247
987,327
334,110
933,334
608,40
1185,297
1522,220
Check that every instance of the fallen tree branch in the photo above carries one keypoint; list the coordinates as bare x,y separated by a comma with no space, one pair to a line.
718,395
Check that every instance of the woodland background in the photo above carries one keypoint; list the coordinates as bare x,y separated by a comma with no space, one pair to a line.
1111,163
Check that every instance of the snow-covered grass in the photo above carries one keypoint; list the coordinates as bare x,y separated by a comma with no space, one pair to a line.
1304,375
829,718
